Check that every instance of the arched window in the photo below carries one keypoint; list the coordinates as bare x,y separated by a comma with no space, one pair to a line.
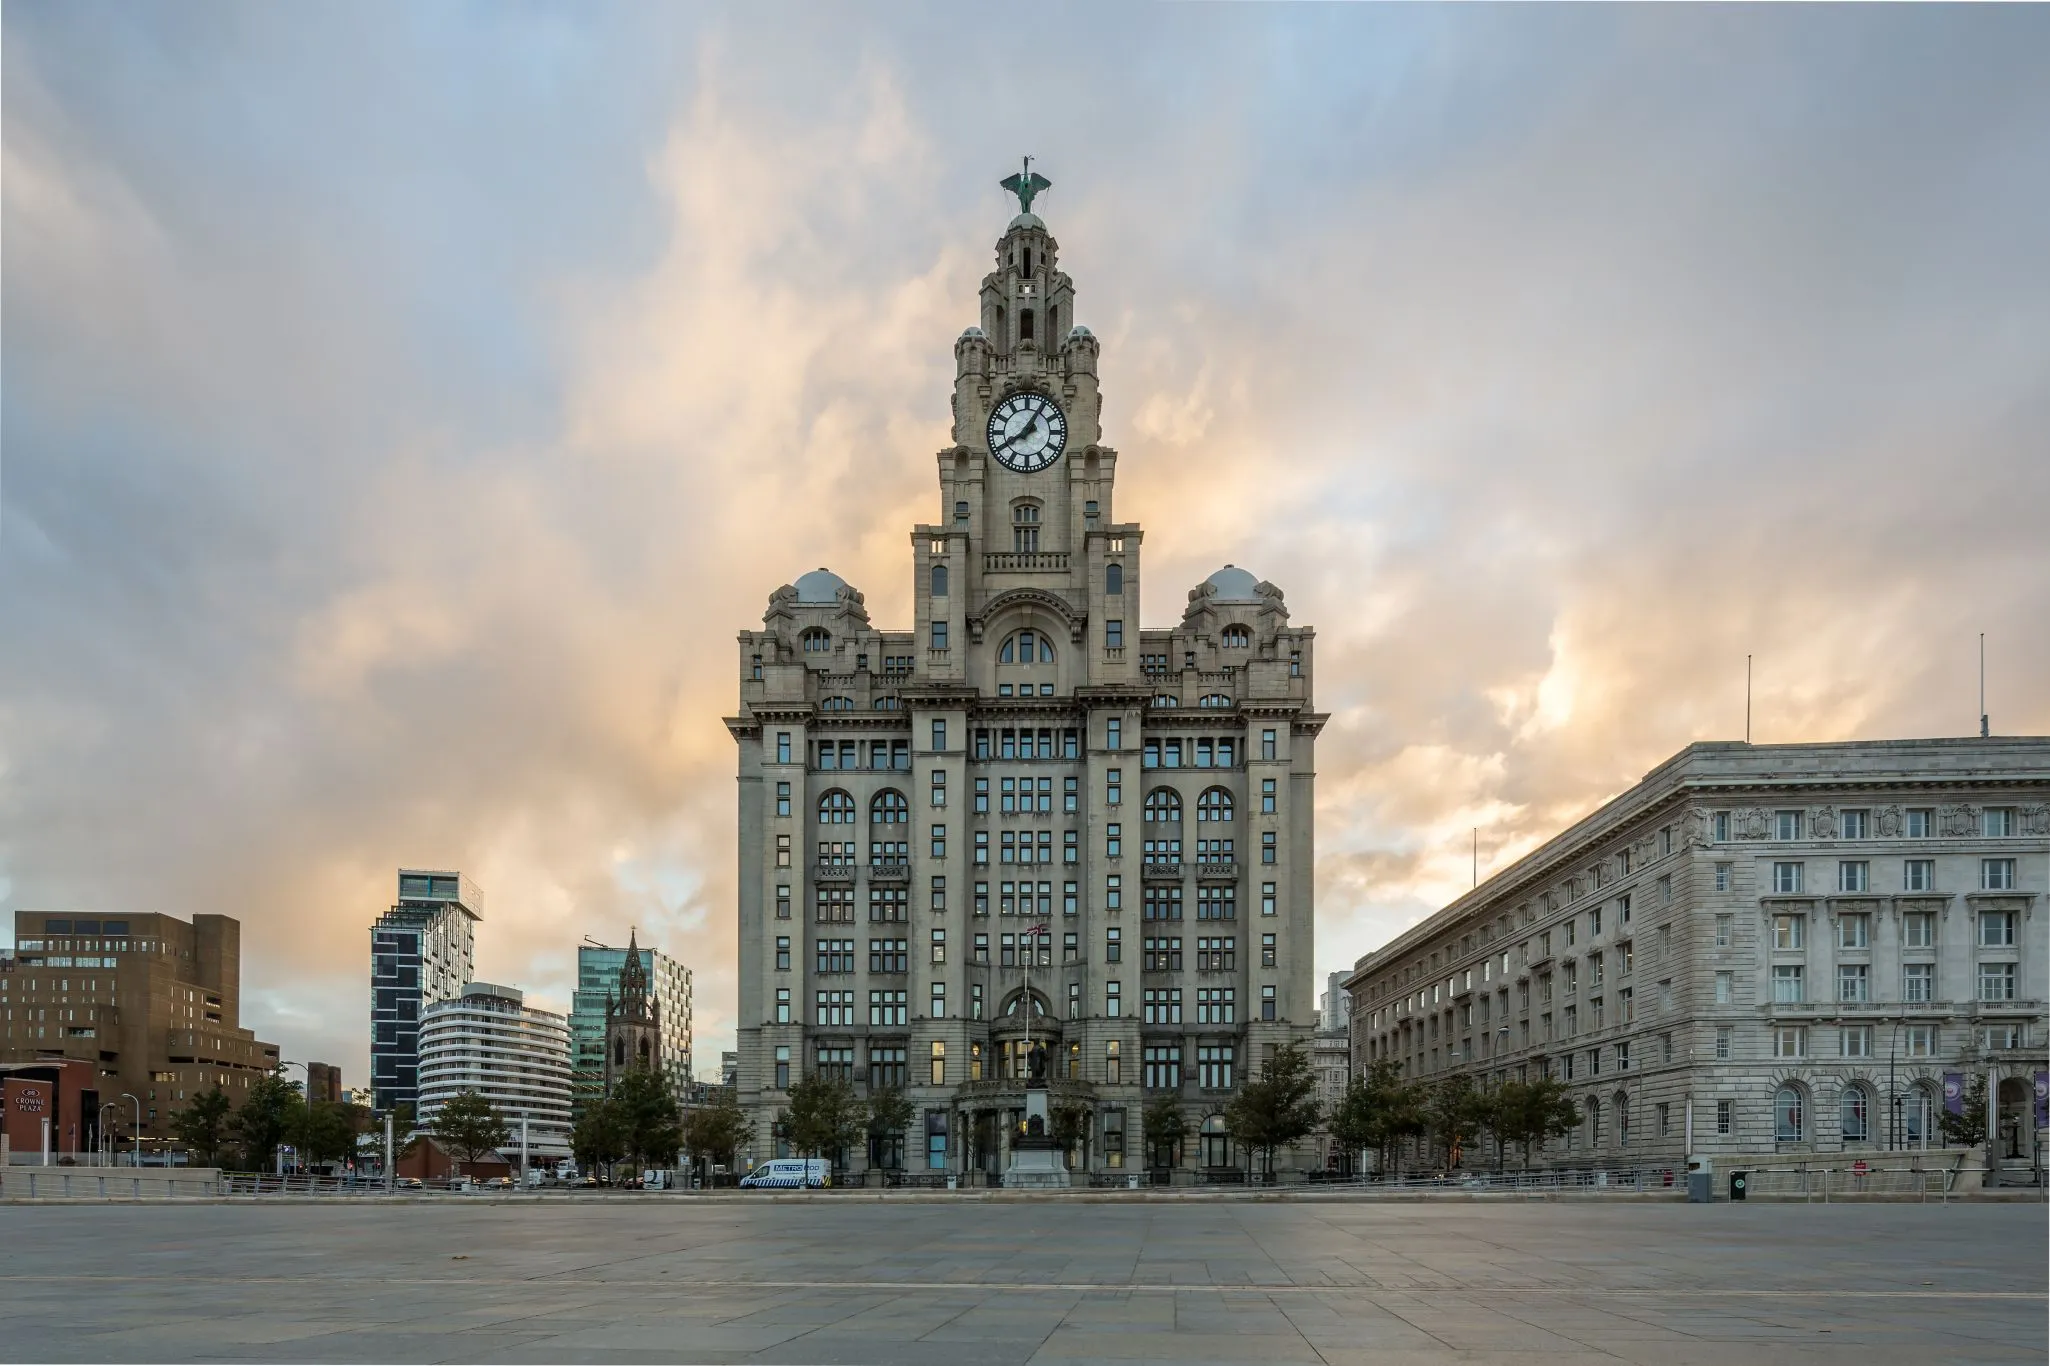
836,704
619,1052
836,808
1594,1123
1026,647
1113,579
1025,527
1918,1115
1622,1103
1215,699
1167,700
1213,805
1789,1120
889,808
1216,1142
1164,806
1018,999
1856,1112
939,581
816,640
1237,638
889,703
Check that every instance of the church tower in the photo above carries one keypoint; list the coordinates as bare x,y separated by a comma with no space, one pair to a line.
984,837
633,1020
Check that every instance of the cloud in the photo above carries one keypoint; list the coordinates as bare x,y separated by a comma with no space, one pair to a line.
384,477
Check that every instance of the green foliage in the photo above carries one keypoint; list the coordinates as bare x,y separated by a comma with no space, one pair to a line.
824,1117
598,1140
1165,1127
1352,1122
267,1117
1530,1114
468,1126
1068,1123
714,1133
889,1112
324,1133
203,1126
1968,1128
1391,1108
650,1124
1455,1112
1277,1109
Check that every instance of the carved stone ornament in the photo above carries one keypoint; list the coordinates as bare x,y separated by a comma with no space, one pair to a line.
1753,823
1695,824
1886,822
2034,820
1962,818
1822,823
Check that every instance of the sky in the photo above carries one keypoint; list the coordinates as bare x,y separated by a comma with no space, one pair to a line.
403,405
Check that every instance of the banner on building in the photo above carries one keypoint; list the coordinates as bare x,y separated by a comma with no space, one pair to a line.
1954,1092
2043,1100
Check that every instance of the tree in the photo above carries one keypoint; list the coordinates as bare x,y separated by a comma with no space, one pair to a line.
203,1125
1278,1109
1069,1123
1967,1128
1354,1123
1532,1113
1166,1127
468,1126
324,1133
651,1126
1455,1112
598,1139
889,1112
267,1116
403,1137
1396,1107
714,1133
824,1117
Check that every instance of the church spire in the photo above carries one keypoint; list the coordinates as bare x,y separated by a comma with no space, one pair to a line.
633,978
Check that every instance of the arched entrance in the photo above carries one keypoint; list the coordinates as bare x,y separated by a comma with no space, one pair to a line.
2014,1134
1216,1142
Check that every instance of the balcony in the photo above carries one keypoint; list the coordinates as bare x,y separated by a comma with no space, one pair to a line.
1162,872
1025,561
1218,870
889,874
833,872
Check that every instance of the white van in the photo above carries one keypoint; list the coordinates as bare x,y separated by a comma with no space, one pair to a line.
790,1172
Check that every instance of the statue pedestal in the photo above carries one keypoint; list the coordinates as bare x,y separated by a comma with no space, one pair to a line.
1038,1161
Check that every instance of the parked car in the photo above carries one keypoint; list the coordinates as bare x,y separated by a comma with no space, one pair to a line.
411,1183
499,1183
789,1173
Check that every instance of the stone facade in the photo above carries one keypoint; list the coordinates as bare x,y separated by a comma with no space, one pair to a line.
1800,946
1024,782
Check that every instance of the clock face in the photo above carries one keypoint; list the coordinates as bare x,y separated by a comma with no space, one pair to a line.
1027,432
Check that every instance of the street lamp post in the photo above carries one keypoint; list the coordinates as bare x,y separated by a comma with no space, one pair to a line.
283,1063
1893,1094
138,1126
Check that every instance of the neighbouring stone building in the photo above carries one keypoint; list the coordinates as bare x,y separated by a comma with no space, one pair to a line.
1023,782
1331,1058
1778,949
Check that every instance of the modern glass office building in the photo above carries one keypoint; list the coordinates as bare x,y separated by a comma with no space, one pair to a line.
422,951
598,968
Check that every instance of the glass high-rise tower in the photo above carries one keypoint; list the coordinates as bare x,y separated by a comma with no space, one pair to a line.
598,968
422,951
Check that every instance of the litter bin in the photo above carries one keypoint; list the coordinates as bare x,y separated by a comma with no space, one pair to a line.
1699,1189
1738,1181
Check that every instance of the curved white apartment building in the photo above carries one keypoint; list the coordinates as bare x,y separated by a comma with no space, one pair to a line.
489,1041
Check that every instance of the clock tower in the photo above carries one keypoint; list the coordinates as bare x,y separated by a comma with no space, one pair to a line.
1024,828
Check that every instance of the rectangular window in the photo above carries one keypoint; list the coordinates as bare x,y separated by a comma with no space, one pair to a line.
1267,1003
1267,796
1918,875
1853,983
939,1001
1918,982
1113,787
1071,848
1725,930
1918,930
1268,951
1114,1074
1214,1066
1719,827
1789,931
1112,733
1725,1036
1996,822
1267,847
1996,874
1854,1041
1267,744
1996,929
982,847
782,903
939,788
782,799
939,635
1113,949
1996,981
1787,983
1919,1041
1722,877
783,1003
1725,988
1114,635
1112,1004
1853,875
1790,1041
783,1068
782,851
1787,825
1921,822
1113,842
1854,931
782,953
1853,824
1113,893
1786,878
939,841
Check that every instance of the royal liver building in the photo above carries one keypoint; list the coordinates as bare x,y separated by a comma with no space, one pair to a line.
1025,821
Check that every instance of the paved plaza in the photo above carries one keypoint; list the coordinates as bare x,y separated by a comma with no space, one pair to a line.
834,1280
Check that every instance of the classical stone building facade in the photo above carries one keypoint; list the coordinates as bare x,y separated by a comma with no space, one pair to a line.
1787,949
1024,783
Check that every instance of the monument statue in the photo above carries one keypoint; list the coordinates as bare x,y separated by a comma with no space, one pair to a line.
1026,185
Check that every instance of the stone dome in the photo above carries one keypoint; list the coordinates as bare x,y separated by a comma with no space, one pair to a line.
1232,584
1026,220
1079,331
821,585
973,333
